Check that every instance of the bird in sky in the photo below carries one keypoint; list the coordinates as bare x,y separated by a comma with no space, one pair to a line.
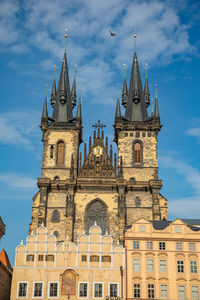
112,33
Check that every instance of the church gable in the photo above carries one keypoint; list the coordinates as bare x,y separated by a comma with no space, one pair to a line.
98,162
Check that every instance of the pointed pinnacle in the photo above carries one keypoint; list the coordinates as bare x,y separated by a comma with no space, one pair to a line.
53,93
79,113
118,110
73,93
45,110
156,110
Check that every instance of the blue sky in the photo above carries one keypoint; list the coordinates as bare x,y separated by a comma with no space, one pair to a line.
32,40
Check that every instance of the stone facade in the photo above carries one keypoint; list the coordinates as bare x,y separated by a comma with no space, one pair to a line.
94,263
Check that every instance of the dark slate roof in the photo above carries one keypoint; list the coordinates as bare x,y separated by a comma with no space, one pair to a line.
191,221
160,225
194,228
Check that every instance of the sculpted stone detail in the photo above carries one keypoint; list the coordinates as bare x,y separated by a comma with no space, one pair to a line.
96,212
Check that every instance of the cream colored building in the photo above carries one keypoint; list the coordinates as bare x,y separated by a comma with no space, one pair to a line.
162,260
90,269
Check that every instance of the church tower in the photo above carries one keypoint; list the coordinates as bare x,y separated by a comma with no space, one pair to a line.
62,136
136,137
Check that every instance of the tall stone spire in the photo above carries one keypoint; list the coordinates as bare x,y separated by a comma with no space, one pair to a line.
62,111
136,107
118,109
45,110
53,93
146,90
156,109
79,112
73,91
125,90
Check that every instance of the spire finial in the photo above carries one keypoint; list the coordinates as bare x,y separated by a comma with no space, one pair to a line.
54,71
146,69
156,88
46,89
152,106
66,39
118,90
124,71
135,38
75,70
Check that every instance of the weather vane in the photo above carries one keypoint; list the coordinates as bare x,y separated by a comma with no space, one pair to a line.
66,30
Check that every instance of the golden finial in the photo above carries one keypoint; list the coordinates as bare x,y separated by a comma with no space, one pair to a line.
118,90
146,68
124,71
156,88
54,71
66,39
46,89
135,38
75,70
135,33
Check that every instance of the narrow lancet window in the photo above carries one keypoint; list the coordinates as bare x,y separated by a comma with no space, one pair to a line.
60,153
137,153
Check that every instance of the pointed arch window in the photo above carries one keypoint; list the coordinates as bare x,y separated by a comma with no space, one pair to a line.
137,153
60,153
55,216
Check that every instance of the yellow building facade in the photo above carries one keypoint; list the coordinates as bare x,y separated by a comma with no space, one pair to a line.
92,268
162,260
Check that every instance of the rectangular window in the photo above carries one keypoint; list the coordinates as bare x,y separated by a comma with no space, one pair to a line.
113,290
163,265
149,245
40,257
38,289
22,289
98,290
181,292
94,258
136,265
192,247
195,292
193,266
136,245
151,291
106,258
30,257
178,229
179,246
150,265
53,289
84,257
83,289
136,290
162,246
49,257
163,291
180,266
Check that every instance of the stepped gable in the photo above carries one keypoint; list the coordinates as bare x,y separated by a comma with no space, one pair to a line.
98,162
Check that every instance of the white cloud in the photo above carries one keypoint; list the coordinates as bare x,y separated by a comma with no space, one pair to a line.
195,132
19,129
17,180
187,207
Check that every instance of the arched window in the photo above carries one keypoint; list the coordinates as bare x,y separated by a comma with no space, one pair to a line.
60,153
96,211
137,153
55,216
56,233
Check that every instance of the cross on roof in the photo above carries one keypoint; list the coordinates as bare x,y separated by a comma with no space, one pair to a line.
99,125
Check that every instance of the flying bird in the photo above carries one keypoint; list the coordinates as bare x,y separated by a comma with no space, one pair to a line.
112,33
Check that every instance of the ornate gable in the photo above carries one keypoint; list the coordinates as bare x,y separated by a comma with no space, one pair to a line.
98,163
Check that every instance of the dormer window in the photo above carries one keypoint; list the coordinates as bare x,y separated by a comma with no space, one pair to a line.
60,153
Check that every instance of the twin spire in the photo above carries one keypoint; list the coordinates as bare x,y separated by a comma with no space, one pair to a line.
136,100
62,99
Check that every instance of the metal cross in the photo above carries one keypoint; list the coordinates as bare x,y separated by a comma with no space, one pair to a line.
99,125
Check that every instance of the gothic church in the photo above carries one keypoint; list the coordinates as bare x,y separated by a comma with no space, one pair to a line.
112,191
